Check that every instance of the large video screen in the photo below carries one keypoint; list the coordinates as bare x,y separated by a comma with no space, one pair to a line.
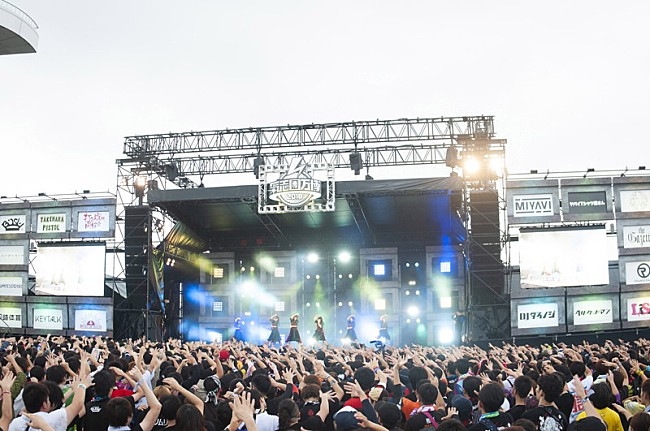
70,269
563,257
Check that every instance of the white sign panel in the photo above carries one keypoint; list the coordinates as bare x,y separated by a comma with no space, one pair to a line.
11,286
532,205
537,315
635,201
590,312
48,318
12,255
11,317
637,272
51,223
90,320
638,309
636,236
93,221
13,224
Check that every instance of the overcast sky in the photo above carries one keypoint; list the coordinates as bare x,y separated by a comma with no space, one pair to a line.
567,81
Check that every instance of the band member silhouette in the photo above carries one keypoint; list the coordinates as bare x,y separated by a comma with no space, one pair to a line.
319,332
351,333
275,332
239,332
383,328
294,335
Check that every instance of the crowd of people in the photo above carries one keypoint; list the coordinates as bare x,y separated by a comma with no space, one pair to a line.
96,384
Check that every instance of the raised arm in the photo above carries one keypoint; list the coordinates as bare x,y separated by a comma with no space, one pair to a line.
189,396
154,405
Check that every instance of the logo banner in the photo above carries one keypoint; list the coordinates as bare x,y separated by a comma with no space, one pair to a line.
636,236
590,312
12,255
587,202
51,223
532,205
93,221
11,286
635,201
13,224
537,315
11,317
48,318
637,272
90,320
638,309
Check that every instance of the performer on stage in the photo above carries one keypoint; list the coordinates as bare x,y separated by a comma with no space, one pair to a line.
239,332
351,334
319,333
383,328
274,338
294,335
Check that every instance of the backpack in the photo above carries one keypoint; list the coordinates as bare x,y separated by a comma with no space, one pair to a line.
434,423
489,424
551,422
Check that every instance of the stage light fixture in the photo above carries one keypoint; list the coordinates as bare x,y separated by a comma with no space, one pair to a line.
446,335
139,185
408,320
445,266
417,320
344,257
417,264
413,311
317,276
340,304
380,304
451,157
356,162
350,304
308,277
171,171
445,302
340,275
257,162
379,269
318,305
642,168
417,293
350,276
471,165
308,304
312,257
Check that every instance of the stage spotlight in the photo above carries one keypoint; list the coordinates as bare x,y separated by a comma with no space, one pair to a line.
445,302
417,292
471,165
350,304
446,335
407,264
344,257
312,257
380,304
451,157
252,269
257,162
350,276
379,269
416,264
408,320
411,282
340,304
317,276
139,184
413,311
356,163
407,293
311,341
308,276
417,320
308,304
318,305
243,269
340,275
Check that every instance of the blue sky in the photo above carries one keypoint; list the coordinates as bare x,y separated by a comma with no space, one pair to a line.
567,82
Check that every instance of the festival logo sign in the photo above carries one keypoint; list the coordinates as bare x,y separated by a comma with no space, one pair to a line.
638,309
48,318
636,236
51,223
635,201
532,205
11,286
93,221
537,315
637,272
587,202
90,320
12,255
590,312
11,317
297,186
13,224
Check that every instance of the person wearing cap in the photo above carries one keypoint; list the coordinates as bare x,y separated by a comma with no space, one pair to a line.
463,408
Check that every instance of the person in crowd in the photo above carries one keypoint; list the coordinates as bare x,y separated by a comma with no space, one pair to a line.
491,398
546,414
521,390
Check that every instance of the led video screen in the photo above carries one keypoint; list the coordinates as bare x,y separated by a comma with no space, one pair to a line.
563,257
70,269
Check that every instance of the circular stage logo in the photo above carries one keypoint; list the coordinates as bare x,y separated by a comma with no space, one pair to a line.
643,270
296,187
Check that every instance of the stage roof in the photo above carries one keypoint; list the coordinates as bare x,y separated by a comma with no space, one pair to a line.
372,213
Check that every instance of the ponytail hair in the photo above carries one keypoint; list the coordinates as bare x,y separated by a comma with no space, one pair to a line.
287,409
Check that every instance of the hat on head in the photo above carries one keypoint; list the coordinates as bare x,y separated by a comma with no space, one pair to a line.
463,405
224,355
345,419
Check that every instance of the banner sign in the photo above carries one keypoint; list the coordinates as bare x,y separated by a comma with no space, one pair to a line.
11,286
48,318
93,221
637,272
635,201
636,236
587,202
537,315
638,309
11,317
12,255
13,224
90,320
590,312
51,223
532,205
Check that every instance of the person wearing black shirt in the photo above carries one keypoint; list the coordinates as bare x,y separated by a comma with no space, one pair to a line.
319,332
490,399
521,389
351,334
546,415
274,338
294,335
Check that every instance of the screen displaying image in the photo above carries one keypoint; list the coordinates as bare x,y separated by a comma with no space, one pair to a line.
70,269
563,257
